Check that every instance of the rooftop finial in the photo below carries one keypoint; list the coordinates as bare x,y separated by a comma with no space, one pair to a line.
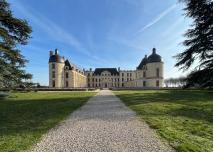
154,50
56,51
51,53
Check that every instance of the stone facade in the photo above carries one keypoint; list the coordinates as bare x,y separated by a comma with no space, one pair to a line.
149,73
109,77
62,74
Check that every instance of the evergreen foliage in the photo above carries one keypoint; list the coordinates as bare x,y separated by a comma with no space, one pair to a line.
198,43
13,32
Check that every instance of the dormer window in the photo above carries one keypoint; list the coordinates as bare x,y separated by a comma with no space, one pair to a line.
66,68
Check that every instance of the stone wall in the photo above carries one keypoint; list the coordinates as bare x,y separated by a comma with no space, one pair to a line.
56,75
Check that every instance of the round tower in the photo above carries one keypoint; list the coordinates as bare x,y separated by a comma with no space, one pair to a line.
155,68
56,70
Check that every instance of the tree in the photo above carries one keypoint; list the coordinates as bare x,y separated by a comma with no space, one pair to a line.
199,43
13,32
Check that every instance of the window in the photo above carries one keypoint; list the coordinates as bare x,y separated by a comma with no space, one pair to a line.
66,67
130,74
53,66
144,74
127,74
67,75
53,83
157,83
144,83
53,74
67,84
122,79
122,74
157,72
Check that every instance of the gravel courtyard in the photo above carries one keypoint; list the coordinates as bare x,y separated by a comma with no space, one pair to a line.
104,123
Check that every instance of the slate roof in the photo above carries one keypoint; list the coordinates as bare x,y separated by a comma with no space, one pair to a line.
154,57
56,58
113,71
143,62
67,63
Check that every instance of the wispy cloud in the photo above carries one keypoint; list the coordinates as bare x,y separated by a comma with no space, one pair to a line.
158,18
174,27
53,30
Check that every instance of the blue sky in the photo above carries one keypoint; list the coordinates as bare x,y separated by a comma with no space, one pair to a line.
101,33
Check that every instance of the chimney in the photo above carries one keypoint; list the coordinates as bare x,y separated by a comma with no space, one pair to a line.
56,52
90,69
51,53
154,51
145,56
119,68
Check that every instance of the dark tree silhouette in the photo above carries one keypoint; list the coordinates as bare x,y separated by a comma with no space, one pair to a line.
198,43
13,32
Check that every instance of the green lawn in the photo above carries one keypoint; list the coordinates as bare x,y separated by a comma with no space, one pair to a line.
183,118
24,117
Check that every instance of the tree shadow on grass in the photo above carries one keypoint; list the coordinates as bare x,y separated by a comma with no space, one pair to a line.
191,104
194,113
27,120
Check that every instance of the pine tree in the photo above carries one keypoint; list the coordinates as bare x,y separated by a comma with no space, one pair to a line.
199,43
13,32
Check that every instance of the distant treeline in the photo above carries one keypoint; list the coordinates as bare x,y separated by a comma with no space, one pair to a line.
176,82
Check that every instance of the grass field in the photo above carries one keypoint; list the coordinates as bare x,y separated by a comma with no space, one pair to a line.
24,117
183,118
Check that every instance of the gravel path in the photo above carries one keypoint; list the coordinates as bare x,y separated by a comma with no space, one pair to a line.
103,124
